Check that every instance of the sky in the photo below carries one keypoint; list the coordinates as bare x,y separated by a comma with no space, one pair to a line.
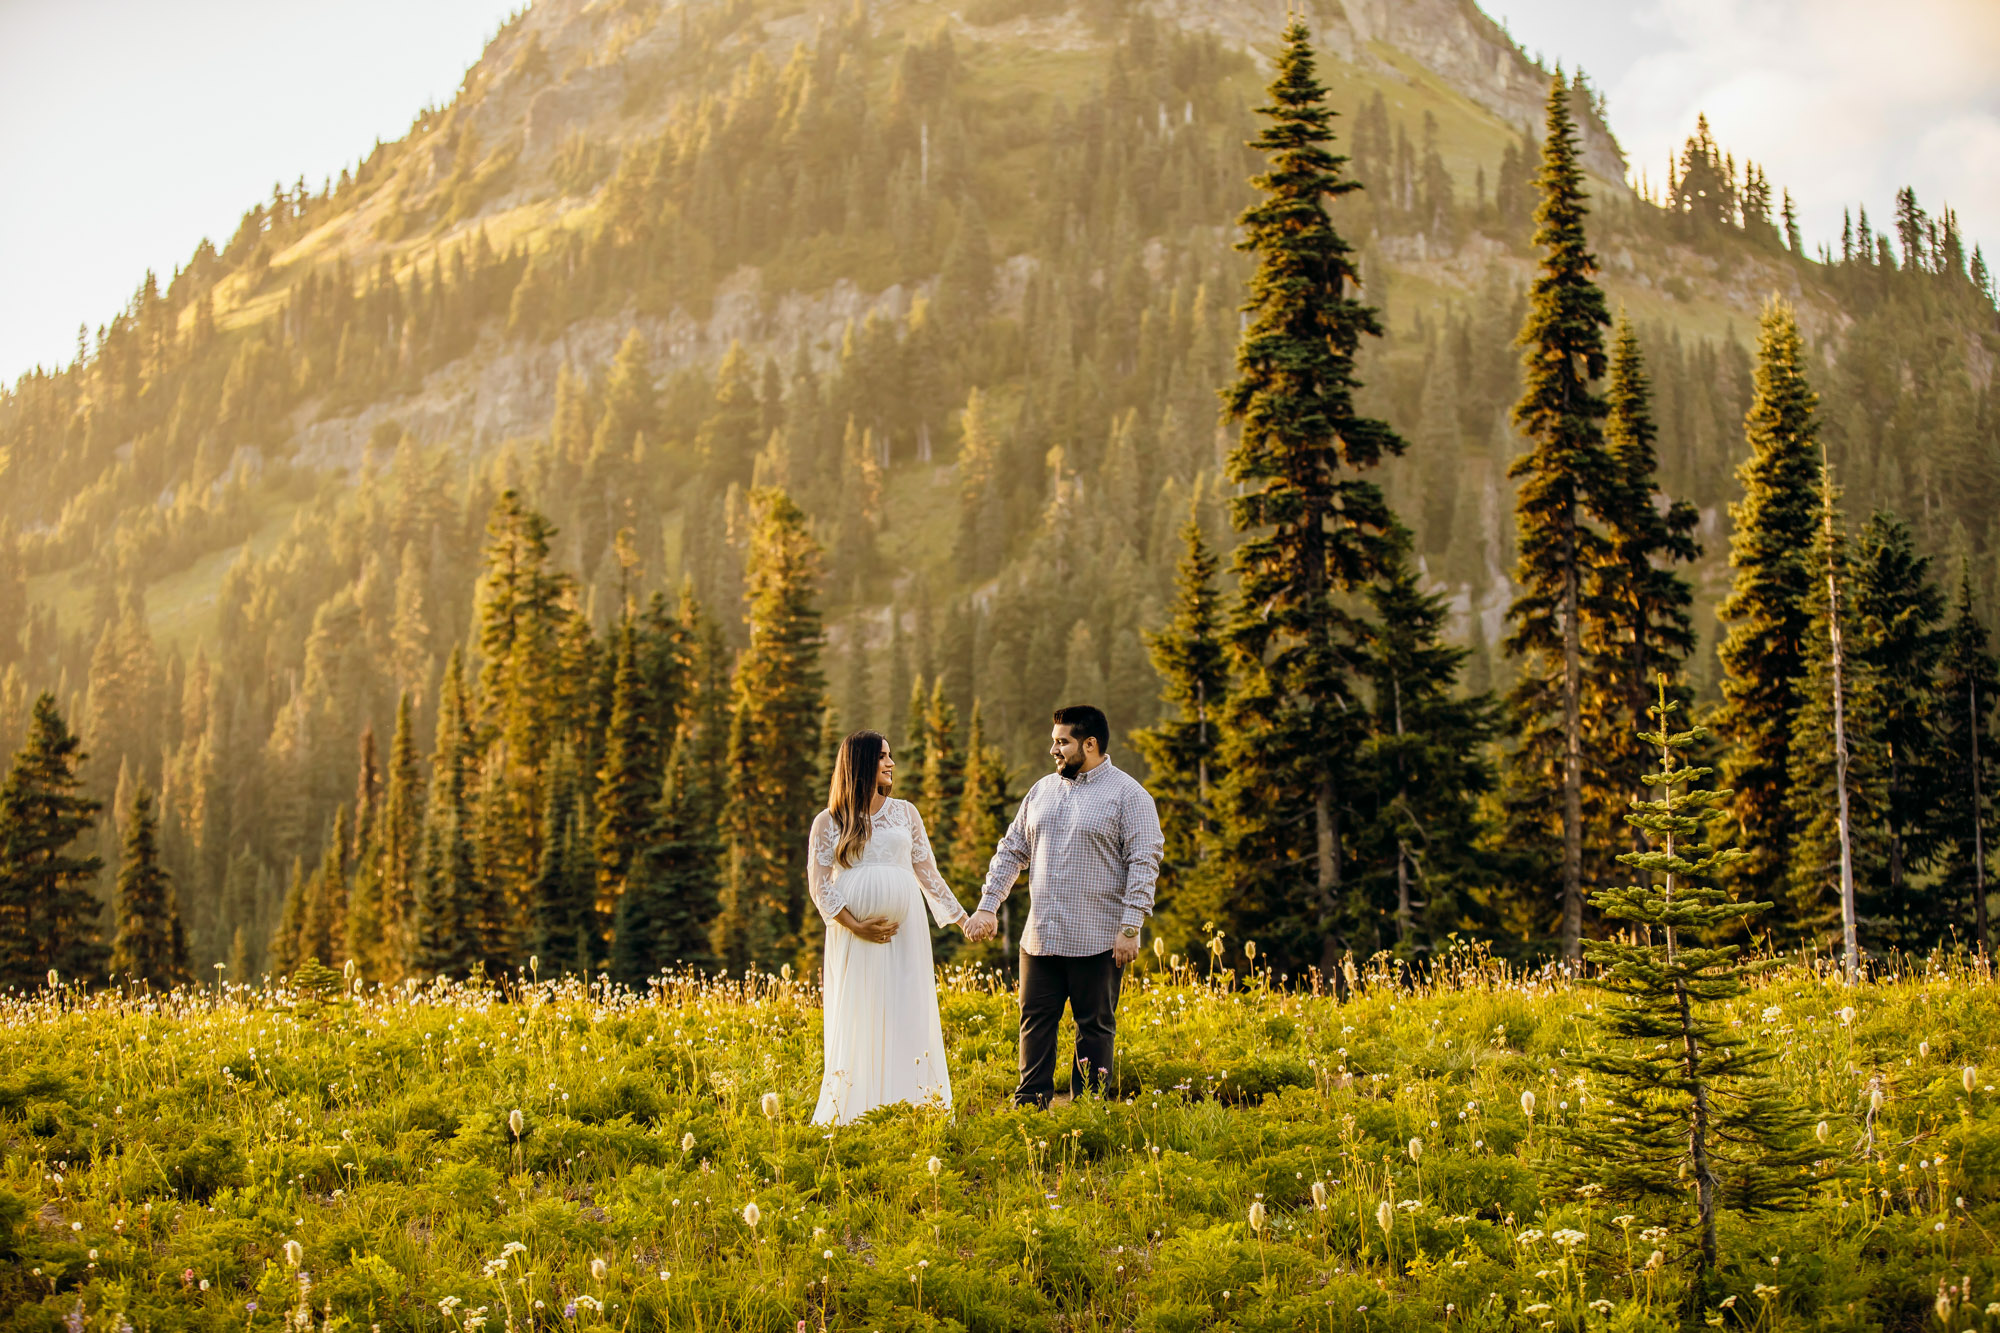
130,129
1841,101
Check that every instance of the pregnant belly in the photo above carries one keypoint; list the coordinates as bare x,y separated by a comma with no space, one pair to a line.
878,891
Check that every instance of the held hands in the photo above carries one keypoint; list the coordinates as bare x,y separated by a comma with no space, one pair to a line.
981,925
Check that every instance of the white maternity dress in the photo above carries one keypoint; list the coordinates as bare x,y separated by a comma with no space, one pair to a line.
884,1043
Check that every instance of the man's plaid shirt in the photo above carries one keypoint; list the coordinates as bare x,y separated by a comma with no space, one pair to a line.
1091,846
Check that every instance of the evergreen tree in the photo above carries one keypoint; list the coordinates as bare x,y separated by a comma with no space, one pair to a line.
1427,770
1638,620
325,930
562,899
773,755
48,917
665,915
983,811
1836,794
287,946
628,784
1181,748
1763,654
401,828
1961,823
1566,476
1685,1105
365,939
447,880
1314,528
1899,640
149,947
944,767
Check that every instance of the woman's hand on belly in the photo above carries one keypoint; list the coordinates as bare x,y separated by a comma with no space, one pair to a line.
874,929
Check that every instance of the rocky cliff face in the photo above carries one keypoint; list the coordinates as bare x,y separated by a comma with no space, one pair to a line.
607,74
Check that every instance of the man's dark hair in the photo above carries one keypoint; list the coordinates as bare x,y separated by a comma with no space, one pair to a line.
1085,723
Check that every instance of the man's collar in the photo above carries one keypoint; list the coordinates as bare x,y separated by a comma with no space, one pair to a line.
1091,774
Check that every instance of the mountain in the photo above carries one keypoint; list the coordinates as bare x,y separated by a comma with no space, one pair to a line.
654,255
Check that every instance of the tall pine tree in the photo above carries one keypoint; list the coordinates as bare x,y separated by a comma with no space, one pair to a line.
773,760
670,903
1962,822
1638,622
1836,793
1182,748
1314,528
1566,475
1427,772
447,880
1899,638
1767,609
48,917
562,898
150,947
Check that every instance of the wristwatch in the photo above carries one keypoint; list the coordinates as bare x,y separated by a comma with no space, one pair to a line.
1129,932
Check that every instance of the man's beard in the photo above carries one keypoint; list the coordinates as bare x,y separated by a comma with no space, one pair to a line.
1070,769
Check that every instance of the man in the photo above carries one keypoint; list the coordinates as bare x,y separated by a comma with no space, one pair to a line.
1089,836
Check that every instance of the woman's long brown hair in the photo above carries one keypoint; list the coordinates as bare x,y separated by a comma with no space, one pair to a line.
854,792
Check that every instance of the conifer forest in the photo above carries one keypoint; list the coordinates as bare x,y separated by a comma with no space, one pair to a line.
1550,602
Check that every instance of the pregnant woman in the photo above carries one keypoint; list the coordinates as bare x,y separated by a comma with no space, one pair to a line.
870,867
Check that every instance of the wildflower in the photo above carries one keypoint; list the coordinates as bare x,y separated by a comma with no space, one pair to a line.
569,1310
294,1253
1820,1131
1601,1305
1319,1196
1923,1049
933,1166
1568,1238
1528,1104
751,1215
769,1104
597,1267
687,1142
1257,1217
1970,1077
1385,1216
1875,1098
1539,1307
1250,950
448,1304
1416,1149
1845,1015
515,1121
588,1303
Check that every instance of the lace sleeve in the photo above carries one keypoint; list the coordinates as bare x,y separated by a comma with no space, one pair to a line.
944,903
821,880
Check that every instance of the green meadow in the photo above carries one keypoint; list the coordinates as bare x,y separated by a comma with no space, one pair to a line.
555,1156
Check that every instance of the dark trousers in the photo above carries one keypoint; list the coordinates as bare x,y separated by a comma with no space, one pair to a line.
1089,986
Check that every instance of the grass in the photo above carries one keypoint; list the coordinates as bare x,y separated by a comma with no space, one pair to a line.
552,1156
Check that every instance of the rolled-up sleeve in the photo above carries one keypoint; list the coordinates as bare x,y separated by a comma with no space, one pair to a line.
1009,859
1144,845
